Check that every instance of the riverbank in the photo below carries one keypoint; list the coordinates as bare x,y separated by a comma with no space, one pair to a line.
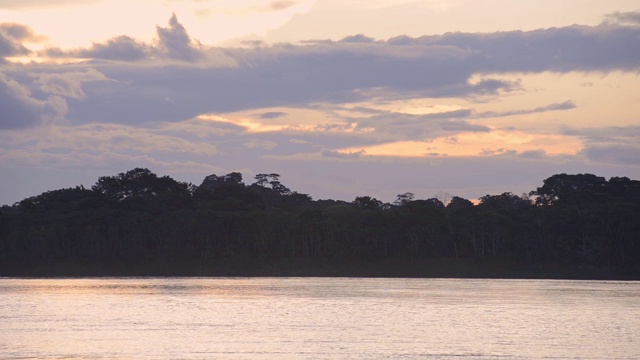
318,267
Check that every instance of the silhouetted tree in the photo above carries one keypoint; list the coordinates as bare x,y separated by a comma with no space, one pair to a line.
138,182
367,203
403,199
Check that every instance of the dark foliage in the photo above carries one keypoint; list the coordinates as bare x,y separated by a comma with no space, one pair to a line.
139,217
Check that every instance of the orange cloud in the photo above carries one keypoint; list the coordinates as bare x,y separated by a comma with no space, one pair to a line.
495,142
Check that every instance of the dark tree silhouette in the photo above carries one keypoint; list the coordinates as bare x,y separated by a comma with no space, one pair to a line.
138,182
577,221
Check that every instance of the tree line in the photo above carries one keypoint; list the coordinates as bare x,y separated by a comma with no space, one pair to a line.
138,216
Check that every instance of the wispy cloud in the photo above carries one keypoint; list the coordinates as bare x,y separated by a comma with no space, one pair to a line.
624,18
566,105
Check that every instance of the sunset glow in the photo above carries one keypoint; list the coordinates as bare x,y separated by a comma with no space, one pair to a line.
389,87
498,142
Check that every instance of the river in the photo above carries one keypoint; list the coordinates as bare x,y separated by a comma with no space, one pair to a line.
318,318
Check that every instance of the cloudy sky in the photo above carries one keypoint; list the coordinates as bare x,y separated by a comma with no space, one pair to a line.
343,98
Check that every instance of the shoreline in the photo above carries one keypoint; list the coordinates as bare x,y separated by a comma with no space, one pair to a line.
317,267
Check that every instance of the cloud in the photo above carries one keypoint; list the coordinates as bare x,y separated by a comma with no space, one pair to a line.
280,5
533,154
606,135
11,36
397,126
327,153
360,38
122,48
100,145
610,145
260,144
205,80
20,109
623,18
44,102
67,84
341,72
566,105
173,46
614,154
106,160
176,43
23,4
19,32
272,115
603,47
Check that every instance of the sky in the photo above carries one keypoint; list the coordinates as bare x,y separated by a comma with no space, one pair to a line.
342,98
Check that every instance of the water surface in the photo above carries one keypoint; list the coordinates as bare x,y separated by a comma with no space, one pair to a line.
318,318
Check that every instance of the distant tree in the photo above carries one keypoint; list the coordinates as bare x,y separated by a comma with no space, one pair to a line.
213,181
261,180
505,201
324,203
624,188
367,203
234,196
138,182
56,198
444,197
274,180
568,188
459,203
403,199
424,205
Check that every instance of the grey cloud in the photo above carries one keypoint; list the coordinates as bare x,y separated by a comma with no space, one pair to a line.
68,84
11,36
173,42
260,144
20,109
360,38
343,72
176,43
337,155
19,32
625,18
120,48
272,115
608,135
402,40
533,154
603,47
614,154
610,145
486,87
567,105
8,47
394,126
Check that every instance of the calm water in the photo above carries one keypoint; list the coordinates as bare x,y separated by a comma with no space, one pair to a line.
318,318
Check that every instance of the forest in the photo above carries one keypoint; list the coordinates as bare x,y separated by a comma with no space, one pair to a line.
139,223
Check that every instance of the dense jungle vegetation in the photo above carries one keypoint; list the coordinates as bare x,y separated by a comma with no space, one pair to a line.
141,223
